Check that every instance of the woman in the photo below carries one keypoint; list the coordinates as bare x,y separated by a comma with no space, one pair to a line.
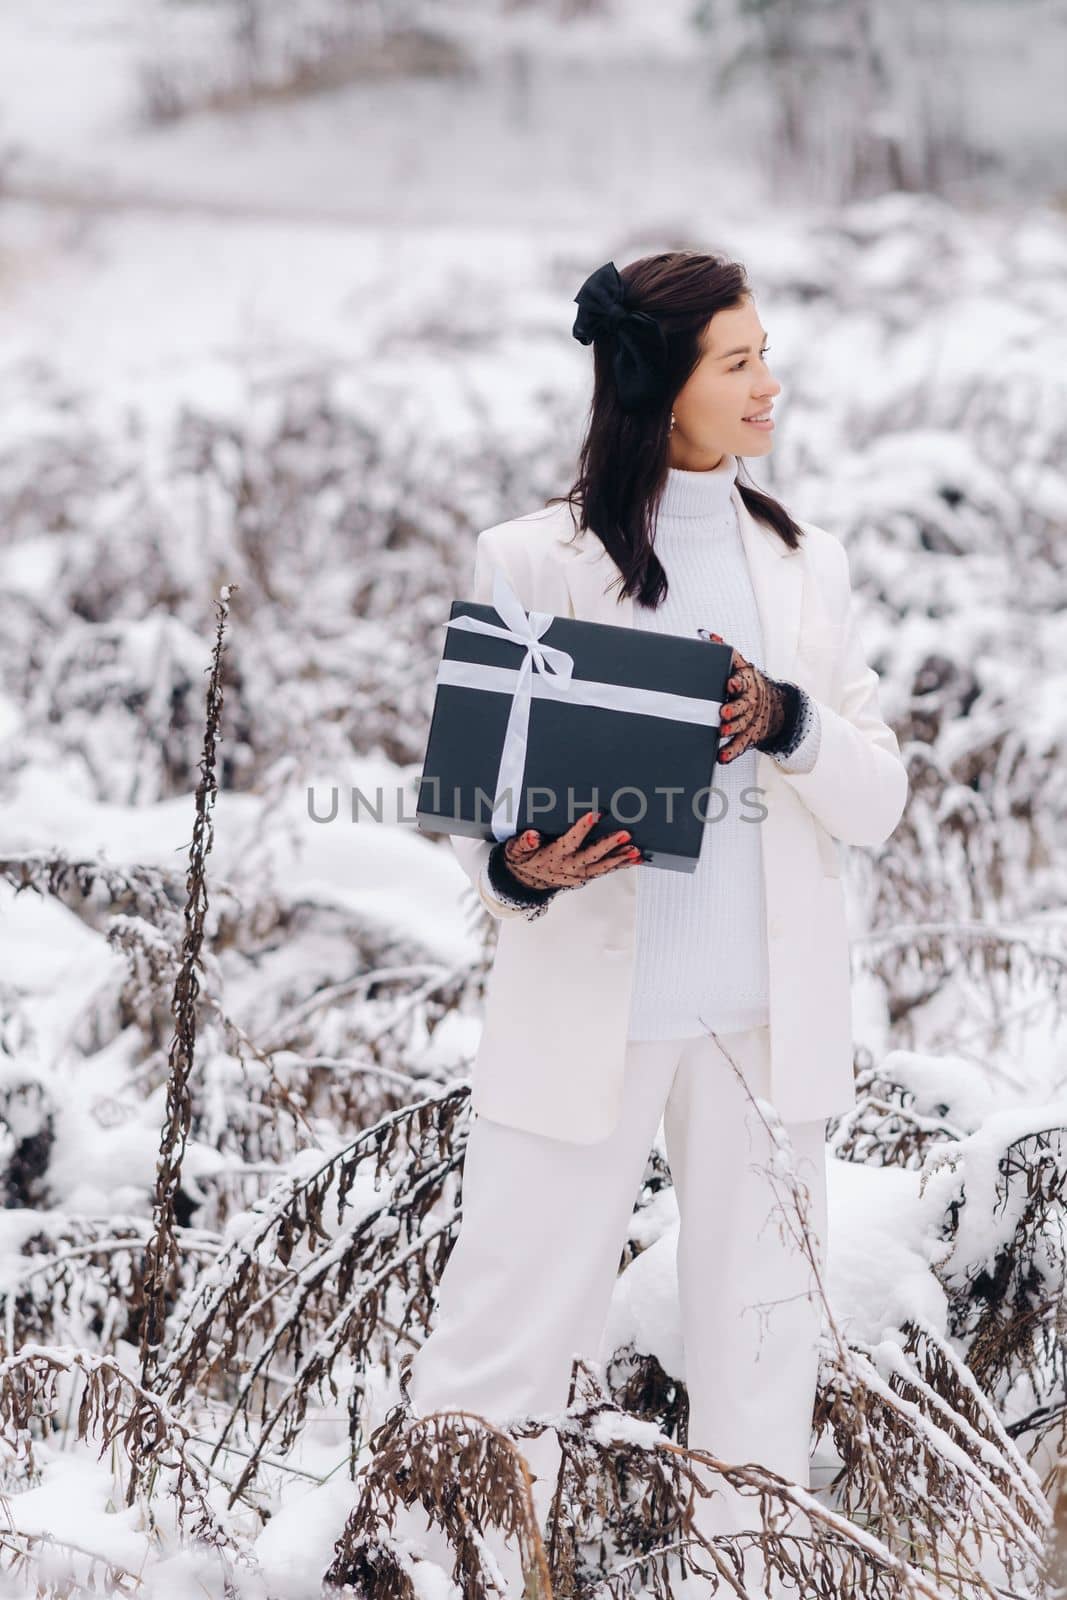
618,997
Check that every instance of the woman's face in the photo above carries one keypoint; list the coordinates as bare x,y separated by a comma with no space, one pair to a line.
730,383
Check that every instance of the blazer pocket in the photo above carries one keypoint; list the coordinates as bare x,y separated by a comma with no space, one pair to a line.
828,850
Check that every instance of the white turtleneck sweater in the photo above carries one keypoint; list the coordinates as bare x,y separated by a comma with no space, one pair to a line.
701,950
701,953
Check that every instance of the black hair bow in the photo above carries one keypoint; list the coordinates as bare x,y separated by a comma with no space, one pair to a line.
640,346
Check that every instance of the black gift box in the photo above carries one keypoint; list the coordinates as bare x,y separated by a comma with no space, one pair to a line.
579,758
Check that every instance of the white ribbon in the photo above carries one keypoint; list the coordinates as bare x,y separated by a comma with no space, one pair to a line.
523,686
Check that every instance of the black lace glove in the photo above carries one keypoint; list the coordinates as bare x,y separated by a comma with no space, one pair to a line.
769,714
565,862
787,717
510,889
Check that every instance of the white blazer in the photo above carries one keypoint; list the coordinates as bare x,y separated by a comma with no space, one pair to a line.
551,1054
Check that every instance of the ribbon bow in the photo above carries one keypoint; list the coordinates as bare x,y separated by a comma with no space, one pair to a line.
640,354
525,631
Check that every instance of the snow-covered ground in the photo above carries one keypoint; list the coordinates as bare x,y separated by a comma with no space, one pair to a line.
310,347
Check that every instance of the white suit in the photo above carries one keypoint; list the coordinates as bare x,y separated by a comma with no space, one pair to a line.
567,1107
557,1068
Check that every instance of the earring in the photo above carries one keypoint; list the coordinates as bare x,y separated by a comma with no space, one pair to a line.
670,429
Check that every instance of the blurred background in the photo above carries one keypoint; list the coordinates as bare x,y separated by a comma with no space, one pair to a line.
285,302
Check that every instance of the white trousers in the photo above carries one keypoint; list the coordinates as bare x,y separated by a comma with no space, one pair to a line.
530,1277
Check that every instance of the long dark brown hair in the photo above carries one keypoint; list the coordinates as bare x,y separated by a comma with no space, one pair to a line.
625,456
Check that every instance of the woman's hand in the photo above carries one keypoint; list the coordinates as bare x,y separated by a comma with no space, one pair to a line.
754,711
564,863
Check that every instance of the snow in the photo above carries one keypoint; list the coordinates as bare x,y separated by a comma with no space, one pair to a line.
296,1546
644,1308
74,1505
985,1224
332,849
878,1267
942,1085
400,254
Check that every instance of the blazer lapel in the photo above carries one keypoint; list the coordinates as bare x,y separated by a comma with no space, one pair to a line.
776,573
